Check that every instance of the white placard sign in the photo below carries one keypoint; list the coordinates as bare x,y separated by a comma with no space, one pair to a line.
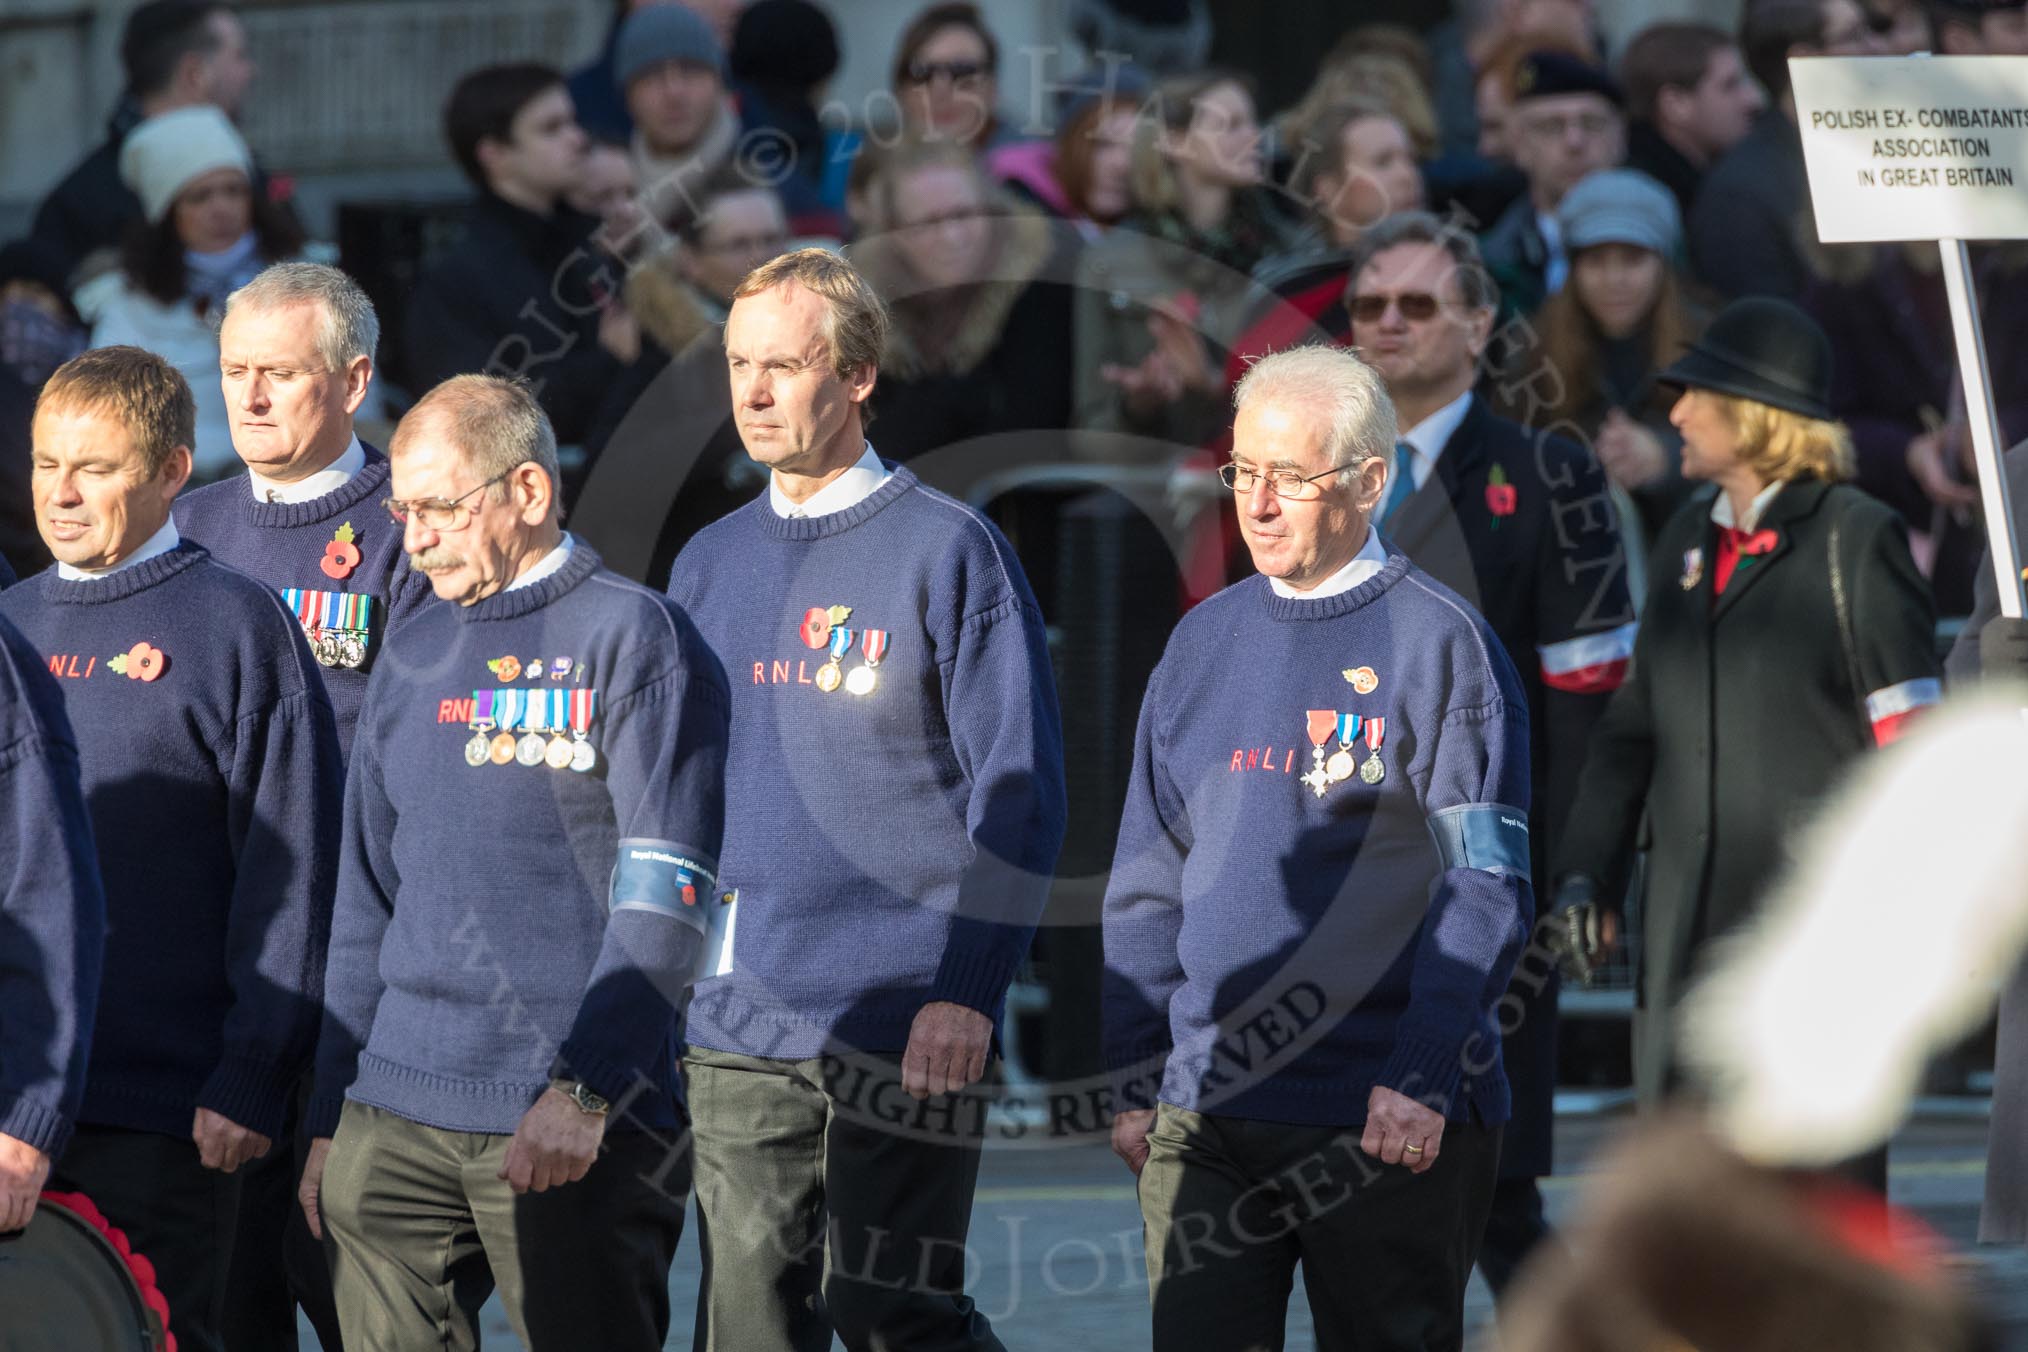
1915,147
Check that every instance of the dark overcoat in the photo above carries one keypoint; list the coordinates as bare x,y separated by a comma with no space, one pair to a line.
1739,716
1549,575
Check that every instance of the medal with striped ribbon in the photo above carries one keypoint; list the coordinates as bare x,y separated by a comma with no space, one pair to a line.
583,706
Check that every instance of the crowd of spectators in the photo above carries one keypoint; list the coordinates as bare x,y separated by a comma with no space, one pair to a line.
1082,279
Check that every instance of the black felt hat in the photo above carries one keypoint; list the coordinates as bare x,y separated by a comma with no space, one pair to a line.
1762,349
1546,74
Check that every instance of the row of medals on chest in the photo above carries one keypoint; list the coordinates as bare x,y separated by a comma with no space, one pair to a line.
558,752
1351,729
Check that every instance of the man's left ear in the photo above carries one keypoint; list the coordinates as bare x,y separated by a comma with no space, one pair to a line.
860,388
1370,485
358,376
537,494
1481,324
176,469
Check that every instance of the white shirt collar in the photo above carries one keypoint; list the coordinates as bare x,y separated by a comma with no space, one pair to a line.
849,489
544,566
1371,558
1428,438
1721,508
161,542
330,479
1552,230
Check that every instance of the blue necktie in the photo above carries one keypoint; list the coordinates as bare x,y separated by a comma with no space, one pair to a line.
1400,482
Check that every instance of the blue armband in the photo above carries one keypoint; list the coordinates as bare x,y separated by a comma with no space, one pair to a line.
666,878
1488,836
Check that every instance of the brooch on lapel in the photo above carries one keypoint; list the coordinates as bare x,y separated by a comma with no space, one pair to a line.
1693,568
1501,497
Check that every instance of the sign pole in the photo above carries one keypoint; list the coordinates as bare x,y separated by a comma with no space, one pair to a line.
1984,424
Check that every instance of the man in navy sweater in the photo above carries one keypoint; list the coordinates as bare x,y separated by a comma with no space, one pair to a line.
1320,888
296,354
296,359
532,828
52,928
893,815
211,769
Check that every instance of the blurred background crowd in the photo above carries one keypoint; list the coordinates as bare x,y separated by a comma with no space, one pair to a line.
1086,215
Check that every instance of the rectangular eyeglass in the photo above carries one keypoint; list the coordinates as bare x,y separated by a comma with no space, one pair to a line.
435,513
1285,482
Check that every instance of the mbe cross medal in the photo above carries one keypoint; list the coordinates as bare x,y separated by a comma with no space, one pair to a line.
1323,722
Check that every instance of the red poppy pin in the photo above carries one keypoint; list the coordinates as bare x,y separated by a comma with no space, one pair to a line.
818,621
1758,542
142,662
341,556
1501,499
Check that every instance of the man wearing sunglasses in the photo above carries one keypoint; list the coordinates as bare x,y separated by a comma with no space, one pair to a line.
1321,884
528,876
1520,524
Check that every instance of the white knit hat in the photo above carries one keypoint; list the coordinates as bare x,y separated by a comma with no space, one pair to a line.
162,155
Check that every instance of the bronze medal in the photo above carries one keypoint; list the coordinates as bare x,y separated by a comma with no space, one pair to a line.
501,749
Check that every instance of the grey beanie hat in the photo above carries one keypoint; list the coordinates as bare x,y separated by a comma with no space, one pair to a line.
1620,206
663,33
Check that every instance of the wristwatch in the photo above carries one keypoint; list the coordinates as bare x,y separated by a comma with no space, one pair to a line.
582,1094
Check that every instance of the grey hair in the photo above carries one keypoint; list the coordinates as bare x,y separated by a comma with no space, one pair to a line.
494,422
349,329
1348,393
1475,285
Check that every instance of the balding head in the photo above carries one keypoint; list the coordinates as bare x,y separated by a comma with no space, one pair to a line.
474,474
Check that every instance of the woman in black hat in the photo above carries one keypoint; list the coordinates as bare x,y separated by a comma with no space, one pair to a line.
1786,631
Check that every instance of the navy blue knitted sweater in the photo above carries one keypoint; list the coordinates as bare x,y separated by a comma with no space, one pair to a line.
211,769
52,906
890,847
1272,953
287,545
499,919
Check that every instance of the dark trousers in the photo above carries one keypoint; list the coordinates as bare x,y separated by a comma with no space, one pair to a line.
1232,1206
277,1264
424,1229
176,1212
1514,1228
797,1160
